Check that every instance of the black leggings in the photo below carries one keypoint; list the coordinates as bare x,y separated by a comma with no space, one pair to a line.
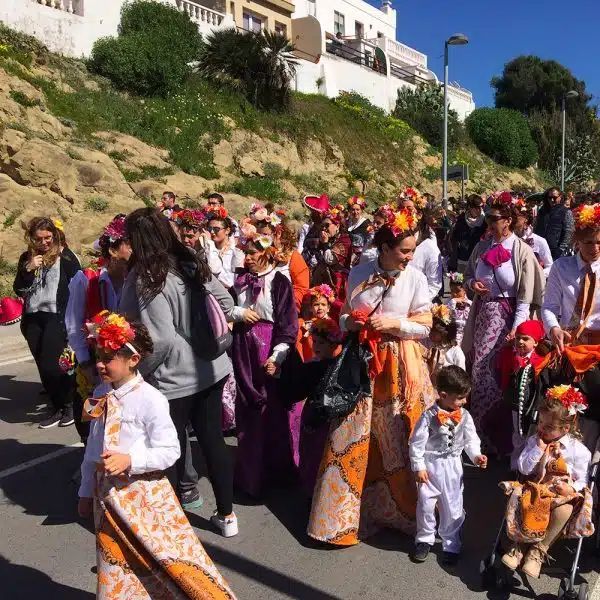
47,338
203,410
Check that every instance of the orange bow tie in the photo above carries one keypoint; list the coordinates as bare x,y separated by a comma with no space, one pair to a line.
444,416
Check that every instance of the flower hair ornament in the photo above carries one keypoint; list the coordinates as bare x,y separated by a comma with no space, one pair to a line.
569,397
189,218
328,329
458,278
402,221
357,201
587,216
385,210
335,214
110,331
500,199
411,193
67,362
442,313
113,232
58,224
215,213
259,213
322,291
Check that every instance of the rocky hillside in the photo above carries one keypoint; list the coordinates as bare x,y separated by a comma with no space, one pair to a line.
73,148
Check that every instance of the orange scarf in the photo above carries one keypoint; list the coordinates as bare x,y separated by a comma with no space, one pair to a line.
582,358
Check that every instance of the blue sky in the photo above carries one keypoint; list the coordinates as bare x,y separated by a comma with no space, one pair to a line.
499,31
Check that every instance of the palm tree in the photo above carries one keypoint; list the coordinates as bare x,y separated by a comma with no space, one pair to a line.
260,65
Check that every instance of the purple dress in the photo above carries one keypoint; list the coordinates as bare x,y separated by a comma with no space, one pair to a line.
268,433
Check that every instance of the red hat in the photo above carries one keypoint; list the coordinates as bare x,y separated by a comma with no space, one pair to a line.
10,311
533,329
317,203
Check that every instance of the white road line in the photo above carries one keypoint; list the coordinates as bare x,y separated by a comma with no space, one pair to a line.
16,361
39,460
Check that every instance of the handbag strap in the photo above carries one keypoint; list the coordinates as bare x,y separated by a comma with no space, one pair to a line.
387,280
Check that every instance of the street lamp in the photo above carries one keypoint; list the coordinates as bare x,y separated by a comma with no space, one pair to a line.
458,39
565,97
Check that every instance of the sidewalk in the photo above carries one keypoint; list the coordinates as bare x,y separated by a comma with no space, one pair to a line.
13,347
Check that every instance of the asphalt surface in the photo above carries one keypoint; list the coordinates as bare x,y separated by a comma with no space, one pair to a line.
47,552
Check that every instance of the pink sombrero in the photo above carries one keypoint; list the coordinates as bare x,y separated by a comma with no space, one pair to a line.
317,203
11,311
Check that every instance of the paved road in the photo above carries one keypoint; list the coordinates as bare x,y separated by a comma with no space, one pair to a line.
46,552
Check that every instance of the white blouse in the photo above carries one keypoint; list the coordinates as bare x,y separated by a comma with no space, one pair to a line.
76,313
229,260
408,295
428,260
147,432
562,290
263,307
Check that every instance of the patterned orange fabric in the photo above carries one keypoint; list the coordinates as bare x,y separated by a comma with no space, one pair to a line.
365,481
146,547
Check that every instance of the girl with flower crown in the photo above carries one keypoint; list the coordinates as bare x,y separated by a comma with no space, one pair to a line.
146,547
523,228
90,292
44,272
554,499
365,481
381,216
358,227
266,327
442,348
508,284
459,304
318,303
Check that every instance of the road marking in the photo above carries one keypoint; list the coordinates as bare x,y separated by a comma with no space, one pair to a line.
39,460
16,361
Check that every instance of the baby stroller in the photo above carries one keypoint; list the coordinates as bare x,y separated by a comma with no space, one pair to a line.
493,572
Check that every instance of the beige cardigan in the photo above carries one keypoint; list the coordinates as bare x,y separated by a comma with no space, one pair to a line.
529,281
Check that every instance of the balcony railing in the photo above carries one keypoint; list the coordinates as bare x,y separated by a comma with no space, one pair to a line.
356,55
401,52
70,6
460,93
201,15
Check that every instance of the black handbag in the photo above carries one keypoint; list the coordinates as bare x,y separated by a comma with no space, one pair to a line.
345,382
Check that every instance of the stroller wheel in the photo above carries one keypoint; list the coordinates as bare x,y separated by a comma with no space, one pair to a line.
491,576
583,592
563,588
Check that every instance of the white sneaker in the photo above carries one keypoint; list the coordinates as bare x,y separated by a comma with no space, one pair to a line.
227,526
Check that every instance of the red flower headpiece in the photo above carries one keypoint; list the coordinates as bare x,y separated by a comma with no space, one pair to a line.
113,232
110,331
335,214
357,201
587,216
411,193
215,213
189,218
570,397
500,199
402,221
322,291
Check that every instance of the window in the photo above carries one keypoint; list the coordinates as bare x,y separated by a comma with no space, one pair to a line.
252,22
379,34
232,9
359,30
281,29
339,23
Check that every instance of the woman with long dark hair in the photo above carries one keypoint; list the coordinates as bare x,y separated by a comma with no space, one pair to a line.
44,272
158,293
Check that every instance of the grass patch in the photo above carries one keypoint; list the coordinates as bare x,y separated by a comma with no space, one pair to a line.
275,171
23,99
193,203
146,172
311,183
7,268
431,173
74,154
10,220
118,156
261,188
96,204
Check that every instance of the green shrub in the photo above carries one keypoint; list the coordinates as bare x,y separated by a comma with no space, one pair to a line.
151,55
274,171
118,156
503,134
96,204
23,99
261,188
13,215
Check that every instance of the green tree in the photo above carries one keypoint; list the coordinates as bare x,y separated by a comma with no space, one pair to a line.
503,135
260,65
581,164
423,110
152,53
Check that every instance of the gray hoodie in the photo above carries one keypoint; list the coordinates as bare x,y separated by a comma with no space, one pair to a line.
177,371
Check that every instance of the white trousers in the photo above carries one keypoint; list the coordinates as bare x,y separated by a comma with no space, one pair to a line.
444,489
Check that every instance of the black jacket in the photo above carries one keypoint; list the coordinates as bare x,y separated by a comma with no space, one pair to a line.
69,265
464,239
556,225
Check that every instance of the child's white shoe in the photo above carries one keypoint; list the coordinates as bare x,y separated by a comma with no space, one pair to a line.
228,526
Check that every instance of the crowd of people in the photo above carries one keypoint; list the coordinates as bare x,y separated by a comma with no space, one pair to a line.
191,323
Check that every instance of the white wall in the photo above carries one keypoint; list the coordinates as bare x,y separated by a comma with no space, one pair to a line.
373,19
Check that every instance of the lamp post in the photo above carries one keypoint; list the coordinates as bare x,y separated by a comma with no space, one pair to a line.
565,97
458,39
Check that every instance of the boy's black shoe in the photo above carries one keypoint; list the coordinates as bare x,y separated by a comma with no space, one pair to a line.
421,552
450,558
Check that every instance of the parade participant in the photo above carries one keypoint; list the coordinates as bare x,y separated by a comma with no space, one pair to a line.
571,311
442,434
554,498
319,301
459,304
554,223
411,199
388,302
523,228
266,327
508,283
308,237
168,203
443,350
215,202
132,443
288,260
428,258
466,234
330,261
223,252
380,217
157,291
91,292
358,227
44,272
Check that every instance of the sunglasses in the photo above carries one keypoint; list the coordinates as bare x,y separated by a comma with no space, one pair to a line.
214,229
494,218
